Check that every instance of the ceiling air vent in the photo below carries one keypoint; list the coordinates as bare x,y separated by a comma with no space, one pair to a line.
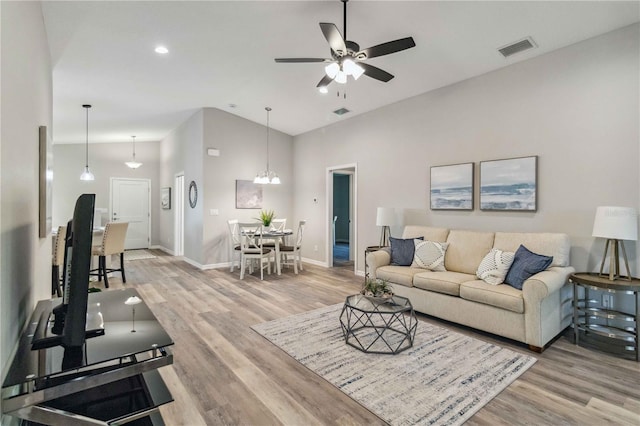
341,111
517,47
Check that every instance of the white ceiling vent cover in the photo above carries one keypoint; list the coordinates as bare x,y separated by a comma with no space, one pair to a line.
517,47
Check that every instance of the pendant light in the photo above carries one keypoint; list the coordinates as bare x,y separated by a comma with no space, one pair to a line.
133,164
86,174
267,176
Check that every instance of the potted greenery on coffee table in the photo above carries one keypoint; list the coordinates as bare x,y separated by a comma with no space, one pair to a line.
377,289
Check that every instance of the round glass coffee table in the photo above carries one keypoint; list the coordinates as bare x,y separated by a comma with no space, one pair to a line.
378,325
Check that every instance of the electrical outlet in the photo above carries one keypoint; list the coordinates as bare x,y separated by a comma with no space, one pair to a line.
315,248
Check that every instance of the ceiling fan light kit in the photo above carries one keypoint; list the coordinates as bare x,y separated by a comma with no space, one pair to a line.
347,58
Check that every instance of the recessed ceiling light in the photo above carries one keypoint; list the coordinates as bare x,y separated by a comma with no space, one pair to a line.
162,50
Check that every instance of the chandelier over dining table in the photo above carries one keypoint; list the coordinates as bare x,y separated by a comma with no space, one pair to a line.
267,176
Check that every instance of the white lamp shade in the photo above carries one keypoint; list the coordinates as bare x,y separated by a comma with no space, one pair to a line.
133,300
386,216
332,70
620,223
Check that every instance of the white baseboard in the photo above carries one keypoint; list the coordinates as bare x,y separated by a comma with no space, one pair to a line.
315,262
164,249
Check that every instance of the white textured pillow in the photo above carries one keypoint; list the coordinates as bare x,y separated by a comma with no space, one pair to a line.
495,265
429,255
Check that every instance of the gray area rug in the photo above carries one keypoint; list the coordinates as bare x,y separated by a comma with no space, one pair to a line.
138,255
442,380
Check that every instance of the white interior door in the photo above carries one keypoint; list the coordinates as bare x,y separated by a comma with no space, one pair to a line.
130,202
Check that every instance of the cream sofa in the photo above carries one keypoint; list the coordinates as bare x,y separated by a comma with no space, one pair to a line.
533,315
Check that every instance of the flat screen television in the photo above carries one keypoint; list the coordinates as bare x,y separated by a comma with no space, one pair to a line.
69,325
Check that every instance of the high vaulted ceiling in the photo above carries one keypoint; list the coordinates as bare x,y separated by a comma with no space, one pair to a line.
221,53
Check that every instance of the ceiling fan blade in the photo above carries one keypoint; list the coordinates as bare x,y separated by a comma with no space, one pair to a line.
333,36
326,80
375,72
387,48
301,60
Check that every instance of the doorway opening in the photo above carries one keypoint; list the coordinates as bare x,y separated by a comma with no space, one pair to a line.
178,222
342,213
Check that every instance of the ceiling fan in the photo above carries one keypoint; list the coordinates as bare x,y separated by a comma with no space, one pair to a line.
347,58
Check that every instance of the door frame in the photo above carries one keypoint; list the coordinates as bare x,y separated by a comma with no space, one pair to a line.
111,180
352,169
178,222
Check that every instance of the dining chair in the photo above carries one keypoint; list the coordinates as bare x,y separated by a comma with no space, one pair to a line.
277,225
253,249
57,260
295,250
112,243
235,245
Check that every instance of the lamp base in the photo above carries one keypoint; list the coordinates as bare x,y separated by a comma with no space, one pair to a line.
384,236
614,261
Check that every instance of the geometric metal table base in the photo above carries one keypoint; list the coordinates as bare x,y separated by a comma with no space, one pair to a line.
377,325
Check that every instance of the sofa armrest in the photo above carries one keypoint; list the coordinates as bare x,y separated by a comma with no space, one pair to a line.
376,259
546,312
545,283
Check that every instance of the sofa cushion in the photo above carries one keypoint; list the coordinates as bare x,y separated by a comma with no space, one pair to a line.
501,296
495,265
429,255
397,274
466,250
427,232
548,244
446,282
526,264
402,251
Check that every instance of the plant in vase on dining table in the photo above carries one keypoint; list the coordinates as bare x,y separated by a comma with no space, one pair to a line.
266,216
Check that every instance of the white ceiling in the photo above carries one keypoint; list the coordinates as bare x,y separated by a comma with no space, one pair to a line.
222,53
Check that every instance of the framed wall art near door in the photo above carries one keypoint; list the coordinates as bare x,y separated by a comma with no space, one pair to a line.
452,187
165,198
509,185
248,195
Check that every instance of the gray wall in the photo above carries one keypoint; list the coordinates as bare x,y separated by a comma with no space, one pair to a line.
576,108
242,146
106,160
25,259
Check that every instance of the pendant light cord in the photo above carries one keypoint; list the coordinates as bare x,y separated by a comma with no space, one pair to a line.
86,164
268,110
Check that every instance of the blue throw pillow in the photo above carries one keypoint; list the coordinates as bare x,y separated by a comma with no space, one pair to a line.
402,251
525,264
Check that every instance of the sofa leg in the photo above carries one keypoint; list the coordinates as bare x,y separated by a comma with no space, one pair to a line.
536,349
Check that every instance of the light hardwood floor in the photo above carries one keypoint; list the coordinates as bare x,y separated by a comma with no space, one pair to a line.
224,373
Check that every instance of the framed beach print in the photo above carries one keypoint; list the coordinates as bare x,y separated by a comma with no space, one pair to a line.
452,187
509,185
165,198
248,195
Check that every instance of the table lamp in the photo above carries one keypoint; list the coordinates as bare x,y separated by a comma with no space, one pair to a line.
133,301
386,217
615,224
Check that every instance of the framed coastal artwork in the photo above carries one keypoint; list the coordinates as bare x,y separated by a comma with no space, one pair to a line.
452,187
509,185
248,195
165,198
